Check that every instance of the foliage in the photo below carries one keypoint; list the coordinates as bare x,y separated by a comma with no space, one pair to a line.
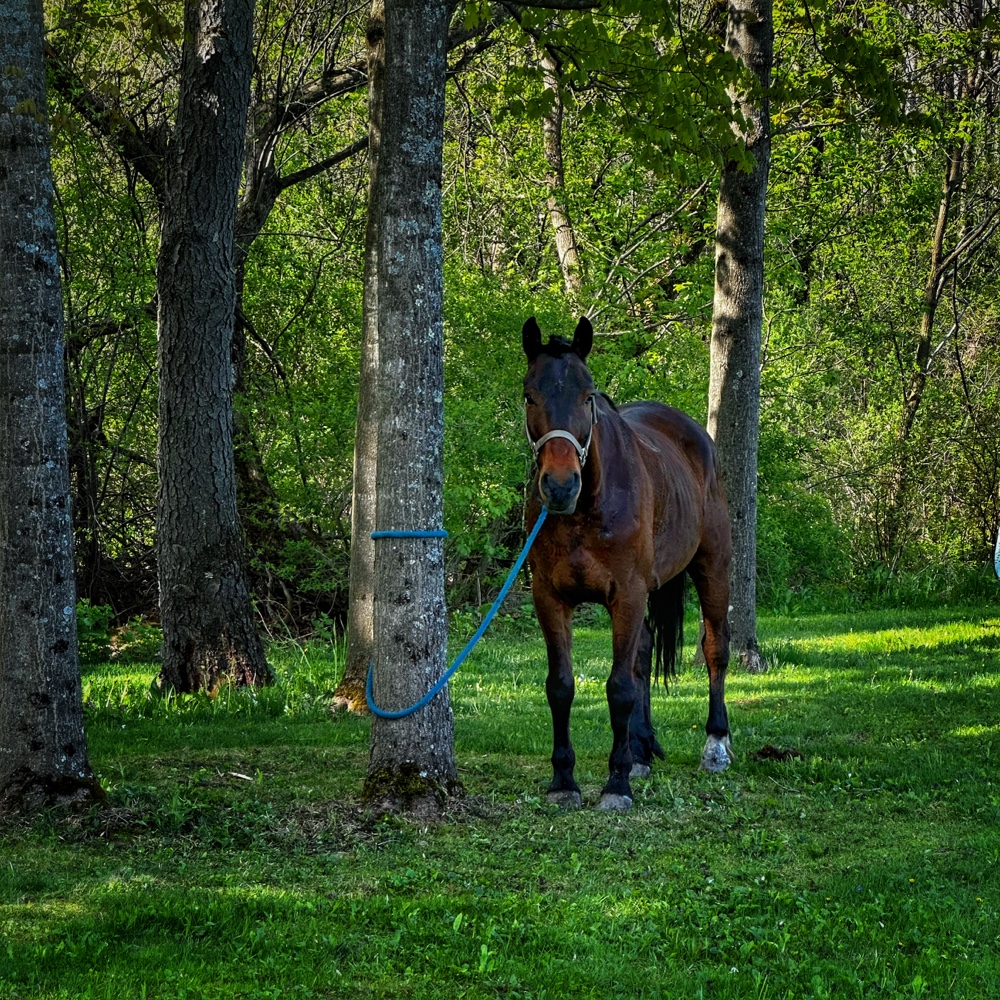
233,860
868,106
93,630
137,641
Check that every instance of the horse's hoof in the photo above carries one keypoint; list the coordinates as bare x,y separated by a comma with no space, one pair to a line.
615,803
565,799
639,771
717,755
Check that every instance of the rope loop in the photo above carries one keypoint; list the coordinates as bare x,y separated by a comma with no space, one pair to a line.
470,645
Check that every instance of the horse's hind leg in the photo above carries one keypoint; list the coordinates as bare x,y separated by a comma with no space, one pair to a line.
555,619
718,752
712,584
640,729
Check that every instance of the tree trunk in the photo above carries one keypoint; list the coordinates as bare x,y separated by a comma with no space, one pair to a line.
933,290
734,387
899,488
552,135
350,693
209,632
43,750
412,759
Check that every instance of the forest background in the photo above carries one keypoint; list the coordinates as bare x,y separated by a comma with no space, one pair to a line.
879,470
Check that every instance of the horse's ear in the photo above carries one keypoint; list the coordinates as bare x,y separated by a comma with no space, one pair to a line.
531,339
583,338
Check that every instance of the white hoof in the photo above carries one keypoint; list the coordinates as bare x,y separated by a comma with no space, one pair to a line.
717,755
614,803
565,799
639,771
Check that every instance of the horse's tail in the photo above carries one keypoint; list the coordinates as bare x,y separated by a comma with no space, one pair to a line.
665,617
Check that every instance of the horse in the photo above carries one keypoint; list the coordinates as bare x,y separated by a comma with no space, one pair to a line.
632,509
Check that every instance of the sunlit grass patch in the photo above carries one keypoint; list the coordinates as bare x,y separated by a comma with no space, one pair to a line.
235,861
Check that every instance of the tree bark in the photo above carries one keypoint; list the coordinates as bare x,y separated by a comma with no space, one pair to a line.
43,749
552,136
734,386
350,693
411,765
209,632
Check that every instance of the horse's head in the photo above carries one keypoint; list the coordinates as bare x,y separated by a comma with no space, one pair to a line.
560,410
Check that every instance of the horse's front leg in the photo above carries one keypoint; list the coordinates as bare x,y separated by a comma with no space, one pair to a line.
623,692
556,618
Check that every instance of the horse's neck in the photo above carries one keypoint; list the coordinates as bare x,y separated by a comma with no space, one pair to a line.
610,462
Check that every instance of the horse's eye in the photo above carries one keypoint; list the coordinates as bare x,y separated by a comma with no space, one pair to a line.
528,400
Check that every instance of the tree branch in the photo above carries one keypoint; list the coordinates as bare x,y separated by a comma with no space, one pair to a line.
317,168
144,149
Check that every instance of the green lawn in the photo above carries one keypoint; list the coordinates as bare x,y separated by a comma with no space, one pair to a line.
234,860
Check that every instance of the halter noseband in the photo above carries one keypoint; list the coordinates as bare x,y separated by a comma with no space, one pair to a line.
582,450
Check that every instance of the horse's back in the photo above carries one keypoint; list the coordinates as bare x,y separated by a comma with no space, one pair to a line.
690,520
669,430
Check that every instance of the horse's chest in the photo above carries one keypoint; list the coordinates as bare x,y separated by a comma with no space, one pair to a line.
579,576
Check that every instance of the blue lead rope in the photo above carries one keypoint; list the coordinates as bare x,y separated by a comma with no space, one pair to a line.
504,590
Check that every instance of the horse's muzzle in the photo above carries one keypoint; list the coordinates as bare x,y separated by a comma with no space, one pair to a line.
560,494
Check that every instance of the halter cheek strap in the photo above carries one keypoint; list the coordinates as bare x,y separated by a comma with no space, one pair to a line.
582,450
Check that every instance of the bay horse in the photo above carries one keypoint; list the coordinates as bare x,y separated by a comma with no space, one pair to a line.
639,502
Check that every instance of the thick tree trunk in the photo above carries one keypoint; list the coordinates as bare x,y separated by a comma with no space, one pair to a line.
734,387
209,631
43,751
412,759
350,693
552,135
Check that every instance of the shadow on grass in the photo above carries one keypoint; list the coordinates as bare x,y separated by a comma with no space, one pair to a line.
235,861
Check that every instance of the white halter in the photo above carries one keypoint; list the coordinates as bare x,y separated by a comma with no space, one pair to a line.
582,450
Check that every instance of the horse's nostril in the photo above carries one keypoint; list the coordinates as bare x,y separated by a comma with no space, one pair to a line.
560,493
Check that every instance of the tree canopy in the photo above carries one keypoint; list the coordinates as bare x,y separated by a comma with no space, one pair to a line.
880,375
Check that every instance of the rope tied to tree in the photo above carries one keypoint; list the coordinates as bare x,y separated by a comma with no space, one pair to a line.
470,645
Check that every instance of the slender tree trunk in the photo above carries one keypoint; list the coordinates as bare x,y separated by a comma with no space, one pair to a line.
963,86
933,291
734,387
350,693
209,631
552,135
412,759
899,488
43,750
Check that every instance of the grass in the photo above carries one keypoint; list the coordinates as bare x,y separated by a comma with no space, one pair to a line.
234,860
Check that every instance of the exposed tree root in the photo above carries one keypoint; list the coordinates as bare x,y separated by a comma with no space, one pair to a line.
408,792
350,697
27,792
